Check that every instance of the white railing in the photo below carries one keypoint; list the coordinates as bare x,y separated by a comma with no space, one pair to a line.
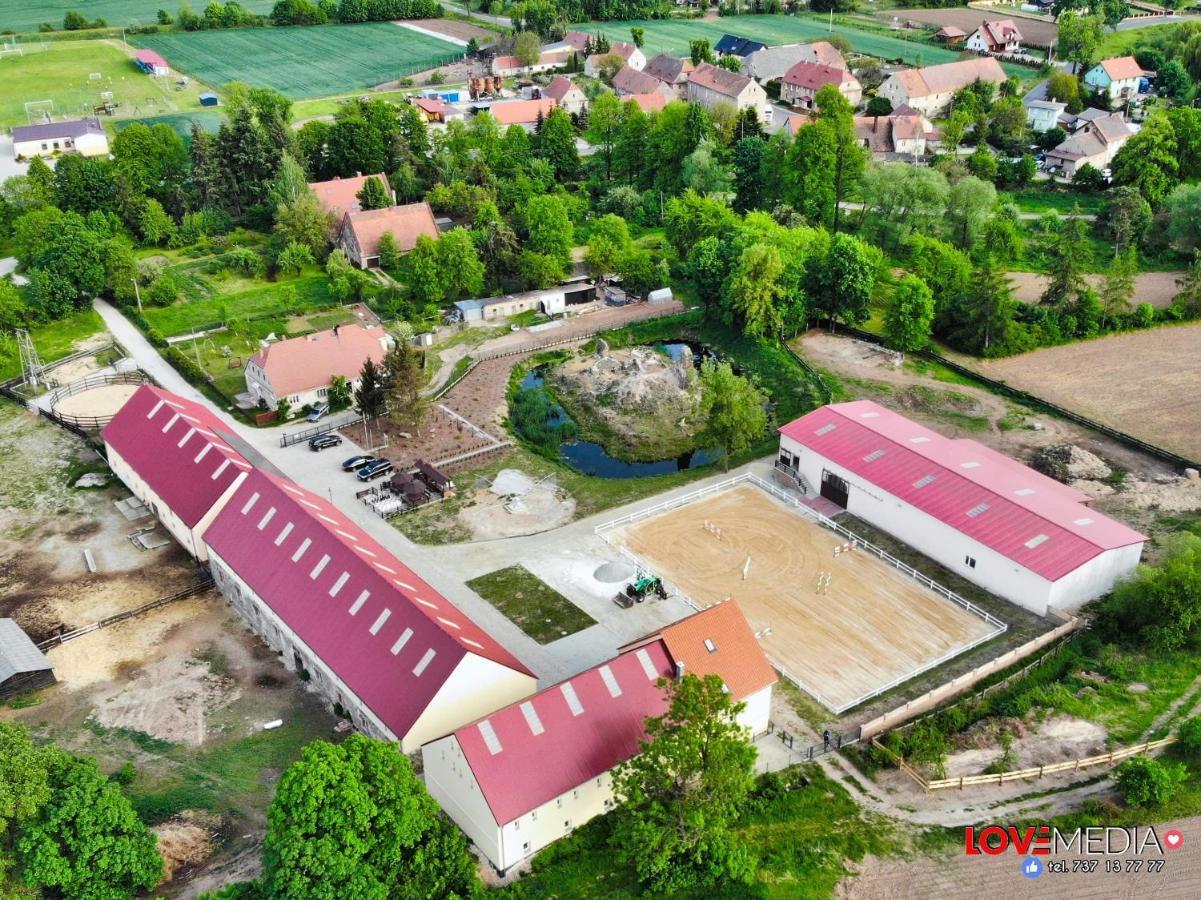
813,515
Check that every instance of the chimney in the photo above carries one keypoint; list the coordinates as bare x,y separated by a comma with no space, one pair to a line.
679,670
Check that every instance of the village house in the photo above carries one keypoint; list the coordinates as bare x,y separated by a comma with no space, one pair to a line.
802,82
627,53
566,95
339,196
903,134
1095,144
83,136
772,63
528,774
521,112
630,82
930,90
649,103
733,45
1116,78
671,70
710,85
1000,38
379,644
508,66
300,369
362,229
178,459
1043,115
949,34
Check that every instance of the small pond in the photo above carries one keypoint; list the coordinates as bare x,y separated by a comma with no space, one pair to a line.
591,458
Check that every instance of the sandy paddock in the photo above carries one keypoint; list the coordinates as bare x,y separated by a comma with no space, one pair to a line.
99,403
871,626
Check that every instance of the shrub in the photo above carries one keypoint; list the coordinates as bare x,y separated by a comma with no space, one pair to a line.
1144,781
1189,734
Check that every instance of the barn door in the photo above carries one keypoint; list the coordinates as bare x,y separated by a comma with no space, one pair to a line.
834,488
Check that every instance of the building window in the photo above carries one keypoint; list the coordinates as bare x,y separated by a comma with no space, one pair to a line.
534,816
567,825
608,803
525,848
970,561
559,803
517,824
321,392
575,795
598,782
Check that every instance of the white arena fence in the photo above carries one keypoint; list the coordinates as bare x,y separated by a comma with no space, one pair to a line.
813,515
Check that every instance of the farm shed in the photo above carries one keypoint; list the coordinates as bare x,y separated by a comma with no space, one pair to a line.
549,302
401,661
531,773
151,63
302,368
23,667
178,459
208,98
83,136
986,517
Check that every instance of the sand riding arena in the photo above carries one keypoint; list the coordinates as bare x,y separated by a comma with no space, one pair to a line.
843,621
92,402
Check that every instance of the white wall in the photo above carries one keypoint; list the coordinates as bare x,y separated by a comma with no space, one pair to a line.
758,711
477,687
993,571
452,784
188,538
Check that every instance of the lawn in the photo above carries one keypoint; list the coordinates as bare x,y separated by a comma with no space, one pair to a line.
304,294
27,15
672,36
533,606
53,341
304,62
327,106
181,123
63,71
800,826
1044,199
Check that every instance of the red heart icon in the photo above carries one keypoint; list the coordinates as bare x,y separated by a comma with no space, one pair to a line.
1174,839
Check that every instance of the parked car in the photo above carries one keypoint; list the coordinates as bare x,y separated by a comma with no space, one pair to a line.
357,462
377,469
321,441
320,411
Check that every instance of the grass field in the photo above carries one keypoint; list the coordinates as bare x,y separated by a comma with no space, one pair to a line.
26,15
62,72
534,607
672,36
208,119
304,62
53,340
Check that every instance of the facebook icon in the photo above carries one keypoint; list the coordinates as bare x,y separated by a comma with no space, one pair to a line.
1031,867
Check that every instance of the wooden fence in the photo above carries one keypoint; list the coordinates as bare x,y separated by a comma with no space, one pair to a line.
199,587
1071,765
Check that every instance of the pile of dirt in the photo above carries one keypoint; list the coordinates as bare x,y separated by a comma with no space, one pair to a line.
1068,463
1033,743
638,402
1165,494
186,841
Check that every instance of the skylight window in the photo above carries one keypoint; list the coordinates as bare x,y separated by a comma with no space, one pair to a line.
249,505
187,437
923,481
359,601
531,718
491,741
320,567
920,439
1036,541
1083,521
425,661
825,429
573,700
401,641
170,422
339,584
647,665
970,464
869,415
203,450
221,468
300,551
977,510
874,455
283,534
1025,492
380,620
266,519
610,681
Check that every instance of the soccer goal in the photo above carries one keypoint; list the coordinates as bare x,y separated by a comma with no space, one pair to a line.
39,111
11,48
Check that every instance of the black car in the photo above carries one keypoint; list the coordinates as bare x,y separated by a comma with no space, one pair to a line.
357,462
321,441
377,469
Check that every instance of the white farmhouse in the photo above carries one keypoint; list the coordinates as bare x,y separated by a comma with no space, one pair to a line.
1043,115
531,773
930,90
301,369
375,640
1117,78
1000,38
179,459
710,86
996,522
83,136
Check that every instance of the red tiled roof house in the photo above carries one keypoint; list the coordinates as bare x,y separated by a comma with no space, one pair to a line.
361,230
565,94
999,37
302,368
178,458
802,82
524,776
402,662
986,517
338,196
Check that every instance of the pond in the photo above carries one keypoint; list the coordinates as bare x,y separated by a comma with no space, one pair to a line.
591,458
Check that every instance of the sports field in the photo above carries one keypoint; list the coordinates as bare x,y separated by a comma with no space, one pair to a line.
304,62
62,71
181,123
870,626
672,36
27,15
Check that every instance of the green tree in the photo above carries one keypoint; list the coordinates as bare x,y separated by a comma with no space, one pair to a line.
154,161
638,36
549,228
1126,219
374,195
527,48
1186,126
339,393
639,273
556,144
684,788
909,316
987,313
750,186
605,117
85,841
306,222
608,241
754,291
1188,299
1183,210
246,159
1065,87
423,271
1117,287
1066,266
1160,607
843,281
293,258
1079,38
970,201
289,184
24,777
403,381
704,173
954,129
1172,80
1144,781
389,252
462,270
699,51
156,226
370,398
539,270
1148,160
945,270
1189,735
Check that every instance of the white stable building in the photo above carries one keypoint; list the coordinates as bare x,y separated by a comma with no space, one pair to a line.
526,775
989,518
402,662
178,459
